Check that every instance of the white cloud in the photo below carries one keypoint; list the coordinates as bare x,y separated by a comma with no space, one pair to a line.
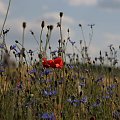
54,17
2,8
112,37
82,2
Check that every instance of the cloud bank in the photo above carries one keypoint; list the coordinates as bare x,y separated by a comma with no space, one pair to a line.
2,8
82,2
109,4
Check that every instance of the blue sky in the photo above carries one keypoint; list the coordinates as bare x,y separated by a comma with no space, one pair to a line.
103,13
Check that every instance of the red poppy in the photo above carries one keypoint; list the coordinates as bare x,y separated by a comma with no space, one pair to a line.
55,63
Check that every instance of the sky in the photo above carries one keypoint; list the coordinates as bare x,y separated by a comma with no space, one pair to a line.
103,13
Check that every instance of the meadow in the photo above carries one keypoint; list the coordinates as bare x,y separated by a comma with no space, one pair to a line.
68,86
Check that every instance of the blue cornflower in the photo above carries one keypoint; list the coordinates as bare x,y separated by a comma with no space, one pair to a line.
82,78
45,81
73,101
13,47
106,97
49,92
1,64
53,52
84,99
97,103
2,45
110,92
82,84
19,85
60,81
99,80
116,114
72,42
47,72
70,66
32,71
48,116
2,71
111,87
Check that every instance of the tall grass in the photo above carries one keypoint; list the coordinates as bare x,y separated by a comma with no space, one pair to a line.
81,90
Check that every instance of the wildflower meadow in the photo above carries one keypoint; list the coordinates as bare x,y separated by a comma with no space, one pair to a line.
57,85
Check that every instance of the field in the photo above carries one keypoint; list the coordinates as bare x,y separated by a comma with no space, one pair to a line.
68,86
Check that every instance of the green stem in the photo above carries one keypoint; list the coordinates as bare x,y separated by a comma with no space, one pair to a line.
5,17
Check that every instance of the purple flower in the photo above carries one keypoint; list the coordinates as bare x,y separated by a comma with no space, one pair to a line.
53,52
13,47
84,100
19,85
2,71
72,42
106,97
74,102
82,78
69,54
2,45
49,93
32,71
61,81
116,114
70,66
111,87
47,72
99,80
48,116
45,81
97,103
82,84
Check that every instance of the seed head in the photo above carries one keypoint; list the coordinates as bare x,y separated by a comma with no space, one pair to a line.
61,14
42,24
16,41
31,32
24,25
48,27
51,27
68,30
80,25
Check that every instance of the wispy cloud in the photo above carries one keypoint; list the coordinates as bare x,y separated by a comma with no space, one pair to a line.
2,7
82,2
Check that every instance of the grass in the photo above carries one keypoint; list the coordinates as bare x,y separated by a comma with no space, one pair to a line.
83,89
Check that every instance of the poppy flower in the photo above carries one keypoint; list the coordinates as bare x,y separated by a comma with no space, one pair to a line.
55,63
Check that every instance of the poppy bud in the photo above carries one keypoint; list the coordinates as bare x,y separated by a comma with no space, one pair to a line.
24,25
61,14
42,24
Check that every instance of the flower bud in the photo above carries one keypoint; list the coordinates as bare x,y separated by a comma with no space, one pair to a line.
42,24
24,25
61,14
